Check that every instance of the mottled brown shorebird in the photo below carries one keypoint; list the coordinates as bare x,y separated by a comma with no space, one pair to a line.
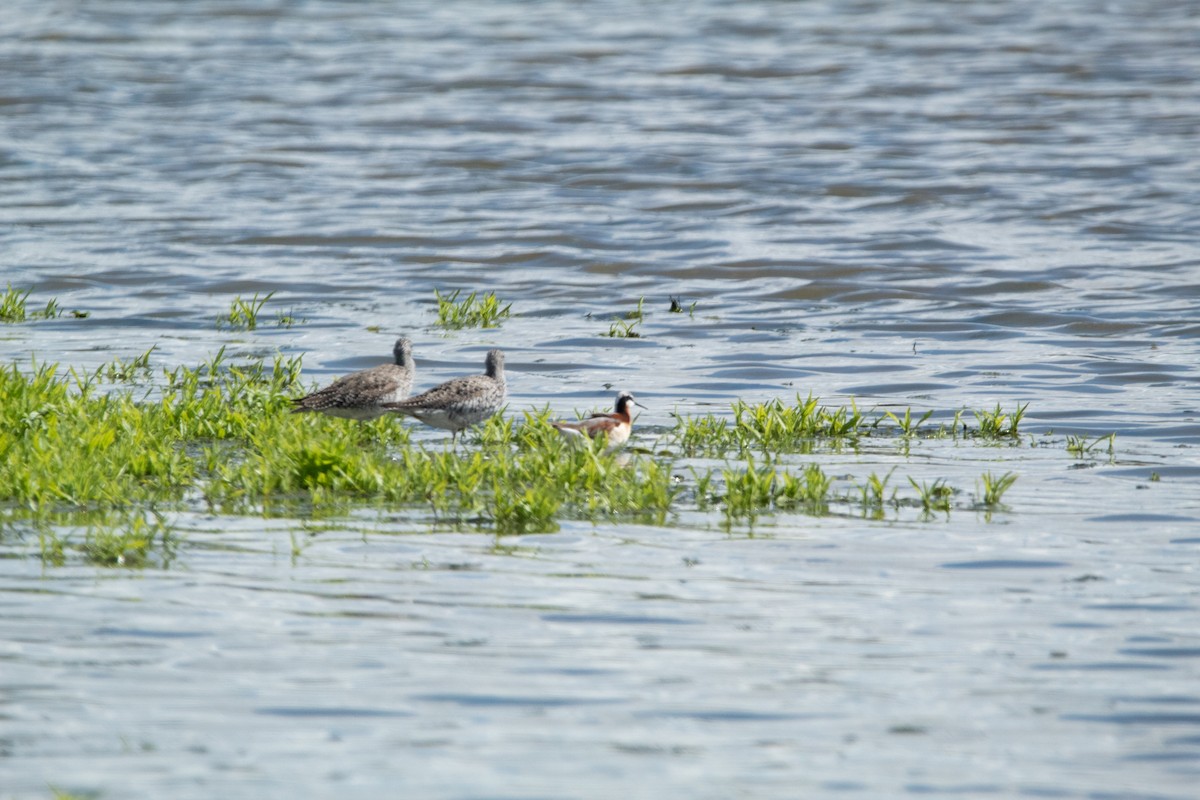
361,395
461,402
614,428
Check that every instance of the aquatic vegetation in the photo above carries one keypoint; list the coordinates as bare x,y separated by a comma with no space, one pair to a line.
702,494
14,307
809,490
526,512
578,482
471,312
907,425
522,479
677,307
94,466
755,489
288,319
706,435
996,424
773,426
874,494
994,487
71,456
779,427
61,795
622,329
243,314
127,370
749,490
132,542
285,319
936,496
625,327
112,538
1079,446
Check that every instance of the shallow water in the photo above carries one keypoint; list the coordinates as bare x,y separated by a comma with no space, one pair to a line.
905,204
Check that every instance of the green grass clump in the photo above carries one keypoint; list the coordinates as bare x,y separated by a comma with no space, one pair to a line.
622,329
93,466
996,424
128,370
994,487
801,427
771,427
755,489
14,307
874,496
907,425
133,541
243,314
625,327
282,463
472,312
703,435
74,457
522,480
776,426
287,319
81,449
936,496
59,794
536,477
1079,446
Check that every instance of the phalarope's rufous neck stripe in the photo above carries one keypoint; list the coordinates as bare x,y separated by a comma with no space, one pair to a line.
614,428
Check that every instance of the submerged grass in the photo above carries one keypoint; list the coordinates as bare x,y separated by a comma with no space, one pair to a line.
75,459
1079,446
907,425
243,314
994,487
755,489
996,424
127,370
72,456
625,327
874,497
778,427
472,312
95,466
935,496
14,307
522,480
773,427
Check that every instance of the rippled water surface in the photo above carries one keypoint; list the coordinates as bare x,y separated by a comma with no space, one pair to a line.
912,204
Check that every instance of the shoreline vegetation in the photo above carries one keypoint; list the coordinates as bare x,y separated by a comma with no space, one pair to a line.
100,466
96,465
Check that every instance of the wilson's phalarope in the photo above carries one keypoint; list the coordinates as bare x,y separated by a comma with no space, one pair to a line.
461,402
613,428
360,395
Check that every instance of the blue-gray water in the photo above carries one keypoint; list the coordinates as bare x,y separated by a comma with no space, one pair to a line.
936,205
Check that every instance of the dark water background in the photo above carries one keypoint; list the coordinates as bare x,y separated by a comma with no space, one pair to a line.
936,205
